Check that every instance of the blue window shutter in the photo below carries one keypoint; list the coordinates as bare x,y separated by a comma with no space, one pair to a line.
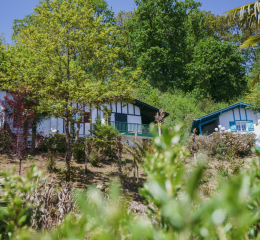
233,127
250,125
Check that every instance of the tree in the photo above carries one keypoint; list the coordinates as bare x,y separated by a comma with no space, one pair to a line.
217,70
66,56
158,40
20,114
248,18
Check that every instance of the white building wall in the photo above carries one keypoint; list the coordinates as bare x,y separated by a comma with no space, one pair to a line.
243,113
134,119
236,112
119,107
248,114
131,108
124,109
137,110
225,118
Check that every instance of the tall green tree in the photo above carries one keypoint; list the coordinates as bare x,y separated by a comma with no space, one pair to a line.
217,70
158,43
67,56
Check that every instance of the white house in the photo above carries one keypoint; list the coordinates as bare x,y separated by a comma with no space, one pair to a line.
235,118
127,118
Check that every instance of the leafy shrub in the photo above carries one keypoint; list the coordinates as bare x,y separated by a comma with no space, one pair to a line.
15,211
80,149
56,142
6,139
104,140
95,157
222,145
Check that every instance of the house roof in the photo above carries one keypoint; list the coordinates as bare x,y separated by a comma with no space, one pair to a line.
148,112
215,114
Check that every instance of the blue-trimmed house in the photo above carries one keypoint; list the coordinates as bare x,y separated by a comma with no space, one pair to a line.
235,118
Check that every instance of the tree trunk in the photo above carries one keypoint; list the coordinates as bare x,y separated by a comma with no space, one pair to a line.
86,155
160,130
67,155
134,174
76,141
119,161
194,149
33,138
137,173
20,166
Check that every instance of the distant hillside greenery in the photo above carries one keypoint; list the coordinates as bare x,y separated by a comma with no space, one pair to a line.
183,107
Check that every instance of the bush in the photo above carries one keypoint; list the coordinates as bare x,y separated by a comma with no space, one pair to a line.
222,145
56,142
104,140
5,139
80,149
95,157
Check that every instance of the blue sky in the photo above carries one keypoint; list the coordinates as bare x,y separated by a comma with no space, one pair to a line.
17,9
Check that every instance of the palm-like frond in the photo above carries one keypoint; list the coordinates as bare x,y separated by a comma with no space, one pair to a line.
131,151
255,80
251,41
139,151
246,14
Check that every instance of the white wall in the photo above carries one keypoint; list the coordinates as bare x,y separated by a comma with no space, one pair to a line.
124,109
118,107
137,110
134,119
227,117
131,108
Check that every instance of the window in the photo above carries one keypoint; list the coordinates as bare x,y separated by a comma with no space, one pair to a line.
86,117
241,126
120,117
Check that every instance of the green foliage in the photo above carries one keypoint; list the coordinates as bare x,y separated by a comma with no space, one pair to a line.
183,107
138,152
15,210
80,149
158,36
5,138
55,142
217,70
104,139
95,157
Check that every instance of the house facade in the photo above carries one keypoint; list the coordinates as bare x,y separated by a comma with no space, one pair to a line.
236,118
128,118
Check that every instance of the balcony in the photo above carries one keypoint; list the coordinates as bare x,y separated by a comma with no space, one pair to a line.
142,130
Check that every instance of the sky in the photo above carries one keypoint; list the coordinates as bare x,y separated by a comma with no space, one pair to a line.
17,9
